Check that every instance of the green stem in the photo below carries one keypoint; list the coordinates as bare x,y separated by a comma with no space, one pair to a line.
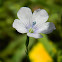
27,43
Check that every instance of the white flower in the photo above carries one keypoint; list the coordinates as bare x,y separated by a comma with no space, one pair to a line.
33,24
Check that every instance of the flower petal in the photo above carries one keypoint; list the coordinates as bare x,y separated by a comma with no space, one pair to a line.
18,25
35,35
25,15
46,28
40,16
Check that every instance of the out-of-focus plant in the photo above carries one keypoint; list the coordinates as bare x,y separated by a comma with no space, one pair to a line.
39,54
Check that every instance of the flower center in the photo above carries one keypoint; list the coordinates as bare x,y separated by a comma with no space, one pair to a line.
31,30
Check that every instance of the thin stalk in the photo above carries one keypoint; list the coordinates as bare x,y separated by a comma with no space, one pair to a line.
27,43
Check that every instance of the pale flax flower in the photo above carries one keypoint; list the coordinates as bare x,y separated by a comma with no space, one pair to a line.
33,23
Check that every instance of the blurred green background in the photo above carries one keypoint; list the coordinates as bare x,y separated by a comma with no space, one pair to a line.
12,43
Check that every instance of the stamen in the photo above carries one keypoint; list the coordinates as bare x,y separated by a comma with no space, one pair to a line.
31,30
34,22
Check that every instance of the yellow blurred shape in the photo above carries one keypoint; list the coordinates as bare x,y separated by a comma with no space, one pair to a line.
39,54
